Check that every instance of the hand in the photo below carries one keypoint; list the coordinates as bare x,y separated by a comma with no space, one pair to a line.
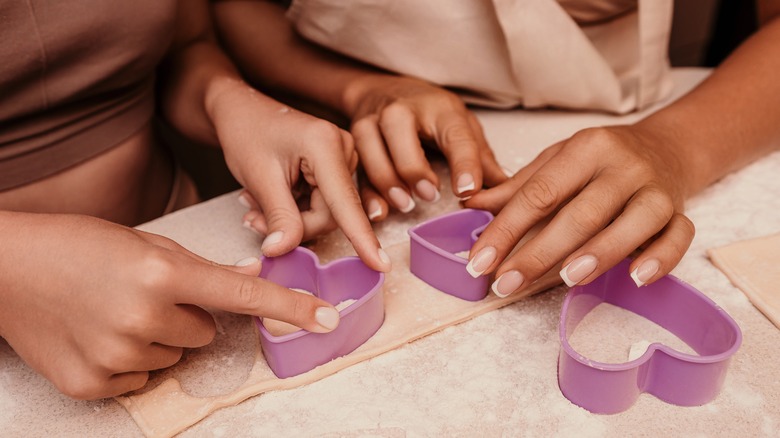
93,306
606,192
269,148
390,114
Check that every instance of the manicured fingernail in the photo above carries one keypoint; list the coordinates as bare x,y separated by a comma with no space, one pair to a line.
644,272
247,261
427,191
507,283
479,264
401,199
384,257
243,201
374,209
578,269
507,172
465,183
272,239
327,317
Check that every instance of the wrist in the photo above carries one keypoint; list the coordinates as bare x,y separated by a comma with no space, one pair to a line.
359,89
682,154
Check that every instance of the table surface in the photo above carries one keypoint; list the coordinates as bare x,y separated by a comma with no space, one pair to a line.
493,375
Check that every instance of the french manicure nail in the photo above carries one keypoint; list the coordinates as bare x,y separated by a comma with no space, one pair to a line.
578,269
465,183
272,239
384,257
427,191
480,262
243,201
507,283
327,317
507,172
644,272
401,199
247,261
375,209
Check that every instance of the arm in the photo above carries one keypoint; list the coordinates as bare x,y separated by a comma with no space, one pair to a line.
608,191
268,147
389,113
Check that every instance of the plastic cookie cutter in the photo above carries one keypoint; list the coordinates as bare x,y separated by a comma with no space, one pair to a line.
674,377
340,280
433,248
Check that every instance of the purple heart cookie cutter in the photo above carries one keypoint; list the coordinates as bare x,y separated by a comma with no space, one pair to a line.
433,245
340,280
674,377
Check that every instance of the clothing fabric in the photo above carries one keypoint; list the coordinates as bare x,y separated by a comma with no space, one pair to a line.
76,79
608,55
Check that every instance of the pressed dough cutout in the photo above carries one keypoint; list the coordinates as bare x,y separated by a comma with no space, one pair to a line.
412,310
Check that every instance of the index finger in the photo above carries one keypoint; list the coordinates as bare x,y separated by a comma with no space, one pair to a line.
338,190
217,287
457,140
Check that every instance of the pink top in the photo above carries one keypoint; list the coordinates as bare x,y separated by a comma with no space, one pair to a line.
76,79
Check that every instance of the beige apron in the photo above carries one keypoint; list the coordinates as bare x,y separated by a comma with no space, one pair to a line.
596,55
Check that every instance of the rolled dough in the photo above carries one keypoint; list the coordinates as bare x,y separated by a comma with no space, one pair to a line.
412,310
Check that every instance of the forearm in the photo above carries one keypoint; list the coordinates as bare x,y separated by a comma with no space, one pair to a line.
270,53
194,74
731,118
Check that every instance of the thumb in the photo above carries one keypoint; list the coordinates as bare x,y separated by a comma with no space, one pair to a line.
237,289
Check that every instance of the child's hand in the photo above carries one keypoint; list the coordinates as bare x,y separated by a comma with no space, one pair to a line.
93,306
390,114
607,191
269,148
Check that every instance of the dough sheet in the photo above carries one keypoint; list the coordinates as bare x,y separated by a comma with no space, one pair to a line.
412,310
751,265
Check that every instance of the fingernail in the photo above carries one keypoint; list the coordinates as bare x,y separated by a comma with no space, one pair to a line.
272,239
479,264
578,269
644,272
465,183
507,283
375,209
327,317
247,261
243,201
401,199
507,172
427,190
384,257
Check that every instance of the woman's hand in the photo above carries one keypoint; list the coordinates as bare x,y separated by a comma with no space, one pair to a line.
605,192
93,306
390,115
271,149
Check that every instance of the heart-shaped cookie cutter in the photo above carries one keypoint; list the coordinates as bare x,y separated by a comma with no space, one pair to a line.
433,245
340,280
674,377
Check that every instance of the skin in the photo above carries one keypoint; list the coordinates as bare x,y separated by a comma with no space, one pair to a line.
608,191
584,203
94,305
389,114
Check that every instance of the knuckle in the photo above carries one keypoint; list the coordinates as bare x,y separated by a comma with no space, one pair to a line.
538,262
540,194
248,295
157,268
392,113
323,133
658,204
504,232
457,136
82,386
590,216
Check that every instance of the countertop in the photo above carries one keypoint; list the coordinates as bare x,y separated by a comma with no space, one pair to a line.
492,376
